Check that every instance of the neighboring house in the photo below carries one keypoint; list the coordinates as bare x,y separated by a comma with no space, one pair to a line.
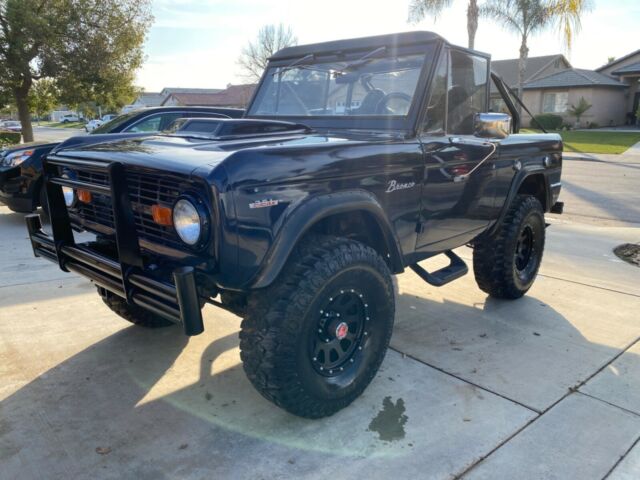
552,85
169,90
627,70
557,92
536,67
149,99
233,96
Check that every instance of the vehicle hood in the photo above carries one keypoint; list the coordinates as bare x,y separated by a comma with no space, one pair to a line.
182,154
26,146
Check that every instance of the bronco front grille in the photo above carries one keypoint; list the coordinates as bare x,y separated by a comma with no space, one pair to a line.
145,190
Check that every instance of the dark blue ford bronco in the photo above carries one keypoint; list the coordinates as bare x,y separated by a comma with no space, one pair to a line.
355,160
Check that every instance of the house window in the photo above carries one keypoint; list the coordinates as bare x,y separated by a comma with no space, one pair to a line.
555,102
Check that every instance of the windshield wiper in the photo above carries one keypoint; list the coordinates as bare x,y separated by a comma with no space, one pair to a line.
293,64
358,63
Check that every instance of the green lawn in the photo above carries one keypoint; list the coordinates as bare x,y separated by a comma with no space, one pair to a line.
596,142
61,125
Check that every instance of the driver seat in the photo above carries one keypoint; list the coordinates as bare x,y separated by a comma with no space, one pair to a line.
370,102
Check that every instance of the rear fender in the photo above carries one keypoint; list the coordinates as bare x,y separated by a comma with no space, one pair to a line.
518,181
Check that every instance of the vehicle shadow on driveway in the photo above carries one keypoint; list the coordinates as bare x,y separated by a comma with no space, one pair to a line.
153,400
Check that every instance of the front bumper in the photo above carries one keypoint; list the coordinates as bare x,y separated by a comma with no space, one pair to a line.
125,276
14,191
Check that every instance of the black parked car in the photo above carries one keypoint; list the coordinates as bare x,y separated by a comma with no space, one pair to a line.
356,159
21,165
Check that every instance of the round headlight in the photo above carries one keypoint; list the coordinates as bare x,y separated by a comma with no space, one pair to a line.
187,221
69,196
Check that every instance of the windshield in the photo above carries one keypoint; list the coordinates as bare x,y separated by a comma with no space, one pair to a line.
115,123
370,87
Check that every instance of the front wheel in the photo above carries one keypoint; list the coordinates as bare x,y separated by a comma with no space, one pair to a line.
314,340
506,263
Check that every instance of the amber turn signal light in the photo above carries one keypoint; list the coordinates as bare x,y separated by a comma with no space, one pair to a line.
84,196
162,215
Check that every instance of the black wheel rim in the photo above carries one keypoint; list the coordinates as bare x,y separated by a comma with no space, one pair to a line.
525,248
339,333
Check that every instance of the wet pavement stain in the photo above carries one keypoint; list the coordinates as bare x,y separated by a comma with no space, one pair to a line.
390,421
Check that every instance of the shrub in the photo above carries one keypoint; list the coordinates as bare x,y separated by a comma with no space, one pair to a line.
593,125
9,138
548,120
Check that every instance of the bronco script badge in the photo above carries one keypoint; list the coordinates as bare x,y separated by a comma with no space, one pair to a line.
395,185
264,203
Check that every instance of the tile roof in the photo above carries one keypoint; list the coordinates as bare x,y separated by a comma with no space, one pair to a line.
150,99
232,96
508,69
170,90
633,68
574,77
617,60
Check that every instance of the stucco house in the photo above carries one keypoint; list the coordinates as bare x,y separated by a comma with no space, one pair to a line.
553,85
233,96
627,70
557,92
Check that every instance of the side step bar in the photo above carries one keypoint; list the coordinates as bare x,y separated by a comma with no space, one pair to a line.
456,269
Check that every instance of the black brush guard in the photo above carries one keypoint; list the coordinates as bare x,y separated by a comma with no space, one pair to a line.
124,277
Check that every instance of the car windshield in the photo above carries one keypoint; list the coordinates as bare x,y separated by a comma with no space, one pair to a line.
115,123
370,86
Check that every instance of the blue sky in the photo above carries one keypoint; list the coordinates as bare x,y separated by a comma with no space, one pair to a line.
195,43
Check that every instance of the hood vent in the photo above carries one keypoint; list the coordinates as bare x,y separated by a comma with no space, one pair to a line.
223,129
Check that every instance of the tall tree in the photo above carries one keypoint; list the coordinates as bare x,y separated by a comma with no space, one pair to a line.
87,46
44,97
419,9
255,55
528,17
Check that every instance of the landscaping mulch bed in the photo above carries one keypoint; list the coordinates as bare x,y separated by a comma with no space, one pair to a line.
629,252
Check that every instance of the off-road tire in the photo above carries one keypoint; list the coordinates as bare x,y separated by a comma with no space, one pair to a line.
132,313
278,332
495,257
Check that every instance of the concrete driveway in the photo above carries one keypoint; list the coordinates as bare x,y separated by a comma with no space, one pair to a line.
544,387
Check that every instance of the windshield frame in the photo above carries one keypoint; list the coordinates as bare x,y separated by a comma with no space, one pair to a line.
430,50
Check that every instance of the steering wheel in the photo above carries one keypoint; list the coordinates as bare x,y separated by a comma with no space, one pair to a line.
385,107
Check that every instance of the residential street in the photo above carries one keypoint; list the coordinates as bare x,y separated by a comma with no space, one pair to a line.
602,189
547,386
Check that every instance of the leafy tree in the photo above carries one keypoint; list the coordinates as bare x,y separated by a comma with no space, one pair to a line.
90,48
610,60
43,97
419,9
529,17
255,56
579,110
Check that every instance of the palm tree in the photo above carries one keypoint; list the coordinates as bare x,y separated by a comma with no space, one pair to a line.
528,17
580,109
418,9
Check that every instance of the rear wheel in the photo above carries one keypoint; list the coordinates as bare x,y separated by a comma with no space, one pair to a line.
132,313
314,340
506,263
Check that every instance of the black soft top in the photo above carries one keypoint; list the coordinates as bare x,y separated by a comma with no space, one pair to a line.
392,40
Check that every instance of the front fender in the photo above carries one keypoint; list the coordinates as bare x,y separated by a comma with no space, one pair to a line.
309,213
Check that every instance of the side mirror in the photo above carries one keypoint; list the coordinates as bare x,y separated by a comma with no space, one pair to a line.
492,125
